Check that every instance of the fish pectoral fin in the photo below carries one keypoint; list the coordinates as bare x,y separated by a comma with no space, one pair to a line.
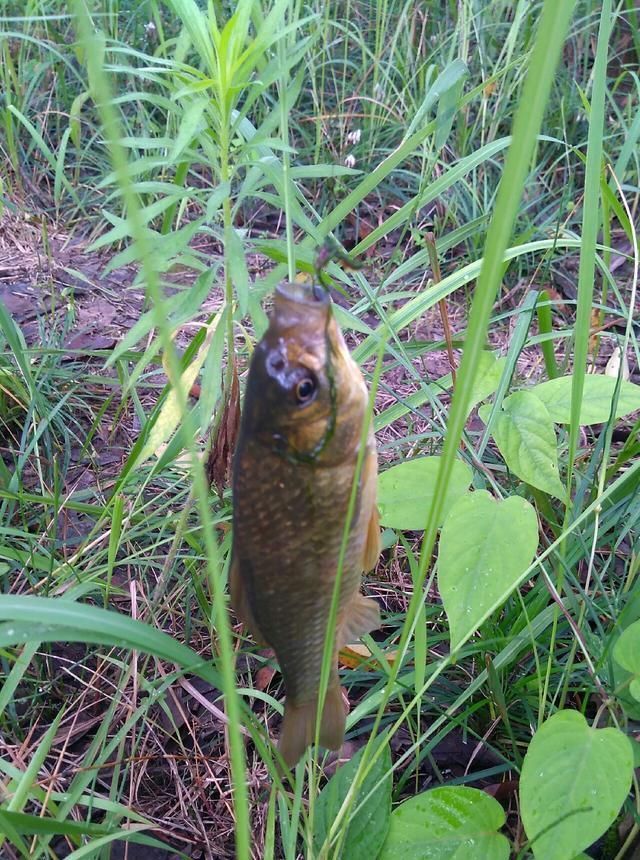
361,615
372,545
240,603
299,725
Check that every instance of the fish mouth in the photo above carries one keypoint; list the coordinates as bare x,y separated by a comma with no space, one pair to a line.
312,295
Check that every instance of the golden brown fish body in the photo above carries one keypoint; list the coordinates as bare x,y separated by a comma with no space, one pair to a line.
294,467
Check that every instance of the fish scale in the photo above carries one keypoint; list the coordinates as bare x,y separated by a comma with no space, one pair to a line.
286,553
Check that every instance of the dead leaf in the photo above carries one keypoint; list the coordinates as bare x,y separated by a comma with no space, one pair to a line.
222,450
613,365
174,701
502,791
358,656
489,89
593,337
264,676
335,759
90,341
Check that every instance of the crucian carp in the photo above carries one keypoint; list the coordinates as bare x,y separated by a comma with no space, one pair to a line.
294,468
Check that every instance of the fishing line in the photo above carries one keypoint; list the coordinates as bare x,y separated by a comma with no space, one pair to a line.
330,250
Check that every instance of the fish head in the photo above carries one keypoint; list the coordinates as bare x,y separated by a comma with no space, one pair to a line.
305,396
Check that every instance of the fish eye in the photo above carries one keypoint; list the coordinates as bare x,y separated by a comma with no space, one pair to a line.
305,389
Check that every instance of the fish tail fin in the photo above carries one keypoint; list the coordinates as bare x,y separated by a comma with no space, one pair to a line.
299,725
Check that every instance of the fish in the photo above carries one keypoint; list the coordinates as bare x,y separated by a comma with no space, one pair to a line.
295,462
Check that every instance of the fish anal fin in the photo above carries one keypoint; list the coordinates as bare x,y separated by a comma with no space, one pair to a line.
361,615
240,603
299,725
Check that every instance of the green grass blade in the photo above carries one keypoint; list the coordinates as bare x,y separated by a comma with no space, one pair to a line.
590,225
92,624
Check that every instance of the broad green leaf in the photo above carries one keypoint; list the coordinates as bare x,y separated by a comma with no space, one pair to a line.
574,780
487,378
447,823
618,678
368,827
597,398
525,435
485,547
405,491
626,652
170,412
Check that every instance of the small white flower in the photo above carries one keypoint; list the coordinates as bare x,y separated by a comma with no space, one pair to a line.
150,28
350,161
354,136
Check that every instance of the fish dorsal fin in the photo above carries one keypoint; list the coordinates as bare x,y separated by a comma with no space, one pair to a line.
240,602
361,615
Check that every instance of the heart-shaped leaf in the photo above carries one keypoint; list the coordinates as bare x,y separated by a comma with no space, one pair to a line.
367,827
448,823
406,491
485,547
597,398
574,780
626,652
525,435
